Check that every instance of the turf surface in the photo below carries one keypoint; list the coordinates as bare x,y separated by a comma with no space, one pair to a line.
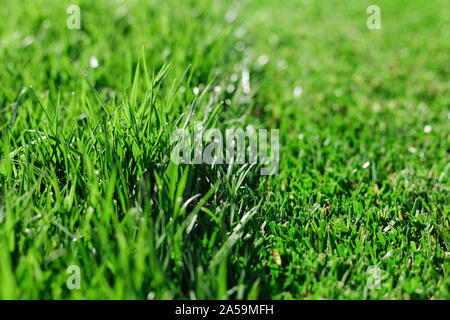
86,118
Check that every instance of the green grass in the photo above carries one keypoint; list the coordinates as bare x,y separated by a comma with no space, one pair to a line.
86,179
